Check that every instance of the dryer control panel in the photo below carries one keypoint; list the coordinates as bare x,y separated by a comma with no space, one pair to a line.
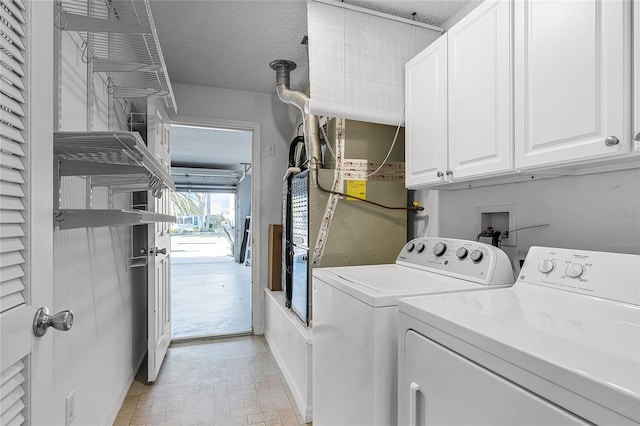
611,276
468,260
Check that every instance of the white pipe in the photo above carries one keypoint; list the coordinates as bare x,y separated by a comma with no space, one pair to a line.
301,101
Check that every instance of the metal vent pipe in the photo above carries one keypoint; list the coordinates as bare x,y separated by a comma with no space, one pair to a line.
301,101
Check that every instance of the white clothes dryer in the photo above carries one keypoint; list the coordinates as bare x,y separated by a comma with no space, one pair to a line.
561,346
355,322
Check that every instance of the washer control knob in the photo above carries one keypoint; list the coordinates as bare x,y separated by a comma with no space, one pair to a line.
462,253
574,270
546,265
439,249
410,247
420,248
476,256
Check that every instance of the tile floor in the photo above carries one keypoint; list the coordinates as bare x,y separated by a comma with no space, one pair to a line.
233,381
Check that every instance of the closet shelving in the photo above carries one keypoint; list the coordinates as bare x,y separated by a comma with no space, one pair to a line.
120,39
119,160
95,218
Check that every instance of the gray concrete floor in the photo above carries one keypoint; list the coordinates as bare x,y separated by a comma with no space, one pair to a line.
210,293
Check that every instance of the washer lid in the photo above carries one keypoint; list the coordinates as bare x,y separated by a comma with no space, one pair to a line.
383,285
585,345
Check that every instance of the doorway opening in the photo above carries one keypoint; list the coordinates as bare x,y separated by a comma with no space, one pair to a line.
210,279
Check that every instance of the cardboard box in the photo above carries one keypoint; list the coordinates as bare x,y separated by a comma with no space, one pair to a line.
275,257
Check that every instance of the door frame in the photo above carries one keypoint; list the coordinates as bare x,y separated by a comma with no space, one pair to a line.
257,299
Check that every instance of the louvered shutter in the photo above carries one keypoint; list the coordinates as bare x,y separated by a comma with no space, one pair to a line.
12,156
12,392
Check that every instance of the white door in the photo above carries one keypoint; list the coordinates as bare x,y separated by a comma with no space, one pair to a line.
480,130
636,74
159,243
570,81
426,115
26,208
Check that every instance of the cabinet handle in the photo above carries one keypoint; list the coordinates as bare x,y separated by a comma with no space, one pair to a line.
611,141
439,174
414,388
449,172
636,136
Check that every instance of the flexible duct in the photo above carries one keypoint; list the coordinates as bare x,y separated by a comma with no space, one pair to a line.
301,101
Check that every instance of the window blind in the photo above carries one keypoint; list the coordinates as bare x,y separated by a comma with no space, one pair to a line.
356,62
12,154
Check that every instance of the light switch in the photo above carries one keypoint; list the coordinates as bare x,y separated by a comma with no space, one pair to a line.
271,150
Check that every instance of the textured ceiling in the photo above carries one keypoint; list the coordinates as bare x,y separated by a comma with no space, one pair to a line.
229,44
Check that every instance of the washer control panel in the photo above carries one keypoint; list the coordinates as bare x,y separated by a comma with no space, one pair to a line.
612,276
470,260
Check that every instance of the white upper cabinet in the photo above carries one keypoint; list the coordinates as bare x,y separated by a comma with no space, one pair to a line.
480,98
636,74
458,101
426,115
571,89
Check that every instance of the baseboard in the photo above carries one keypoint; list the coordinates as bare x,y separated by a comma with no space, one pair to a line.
125,391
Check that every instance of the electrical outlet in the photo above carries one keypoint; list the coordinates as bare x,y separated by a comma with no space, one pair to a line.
70,408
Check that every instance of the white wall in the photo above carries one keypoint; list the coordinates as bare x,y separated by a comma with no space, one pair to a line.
99,356
276,121
592,212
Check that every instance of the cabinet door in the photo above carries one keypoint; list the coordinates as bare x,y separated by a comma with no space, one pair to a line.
570,81
480,101
636,74
426,115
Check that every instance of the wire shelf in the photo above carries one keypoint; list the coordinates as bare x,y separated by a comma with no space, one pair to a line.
108,154
121,40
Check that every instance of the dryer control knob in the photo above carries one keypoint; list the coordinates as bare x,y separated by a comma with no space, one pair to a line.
439,249
546,265
410,247
476,256
420,248
574,270
462,253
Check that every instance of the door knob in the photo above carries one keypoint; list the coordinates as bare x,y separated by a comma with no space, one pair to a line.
43,320
636,136
611,141
449,172
439,174
159,251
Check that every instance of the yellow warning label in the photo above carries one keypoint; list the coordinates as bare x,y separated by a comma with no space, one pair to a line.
357,188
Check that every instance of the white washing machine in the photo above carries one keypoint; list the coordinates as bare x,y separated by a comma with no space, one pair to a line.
355,322
561,346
